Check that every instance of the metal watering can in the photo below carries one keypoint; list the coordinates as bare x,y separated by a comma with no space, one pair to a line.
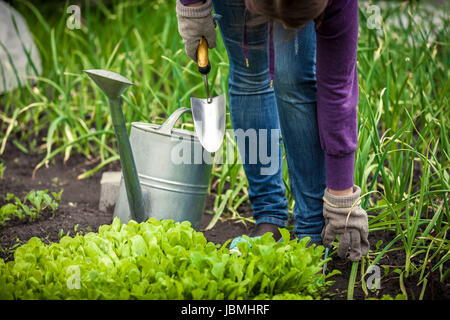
156,180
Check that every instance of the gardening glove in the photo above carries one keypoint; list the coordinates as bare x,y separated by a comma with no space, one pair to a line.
193,23
345,218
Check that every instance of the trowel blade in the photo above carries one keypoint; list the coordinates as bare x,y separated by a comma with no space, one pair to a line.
209,121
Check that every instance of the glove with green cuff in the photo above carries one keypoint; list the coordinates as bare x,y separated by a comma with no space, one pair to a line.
345,218
193,23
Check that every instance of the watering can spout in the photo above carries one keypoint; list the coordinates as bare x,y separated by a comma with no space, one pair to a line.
113,85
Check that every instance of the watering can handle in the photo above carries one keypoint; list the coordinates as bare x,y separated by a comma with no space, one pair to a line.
167,126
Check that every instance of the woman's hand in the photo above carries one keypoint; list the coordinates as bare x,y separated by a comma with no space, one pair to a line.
345,218
194,21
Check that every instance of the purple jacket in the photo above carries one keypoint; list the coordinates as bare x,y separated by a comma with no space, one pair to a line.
337,90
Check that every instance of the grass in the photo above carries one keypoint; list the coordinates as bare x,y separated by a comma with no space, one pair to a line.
402,162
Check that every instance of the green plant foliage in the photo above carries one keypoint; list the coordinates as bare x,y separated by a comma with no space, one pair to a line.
162,260
2,170
389,297
32,206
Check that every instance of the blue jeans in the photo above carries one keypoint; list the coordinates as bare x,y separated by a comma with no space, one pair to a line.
289,108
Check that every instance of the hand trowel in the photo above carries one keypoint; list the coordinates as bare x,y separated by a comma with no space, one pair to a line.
209,114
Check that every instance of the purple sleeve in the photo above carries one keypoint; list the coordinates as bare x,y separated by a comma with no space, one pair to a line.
186,2
337,91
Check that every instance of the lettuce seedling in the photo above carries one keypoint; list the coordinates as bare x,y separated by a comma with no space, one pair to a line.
32,206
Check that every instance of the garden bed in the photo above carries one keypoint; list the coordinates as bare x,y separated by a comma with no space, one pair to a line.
78,212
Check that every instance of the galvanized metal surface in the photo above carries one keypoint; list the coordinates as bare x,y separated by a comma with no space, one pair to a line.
171,190
113,85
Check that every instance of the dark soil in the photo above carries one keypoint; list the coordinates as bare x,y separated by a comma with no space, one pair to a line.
79,212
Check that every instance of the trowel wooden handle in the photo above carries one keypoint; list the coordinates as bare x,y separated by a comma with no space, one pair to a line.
202,57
